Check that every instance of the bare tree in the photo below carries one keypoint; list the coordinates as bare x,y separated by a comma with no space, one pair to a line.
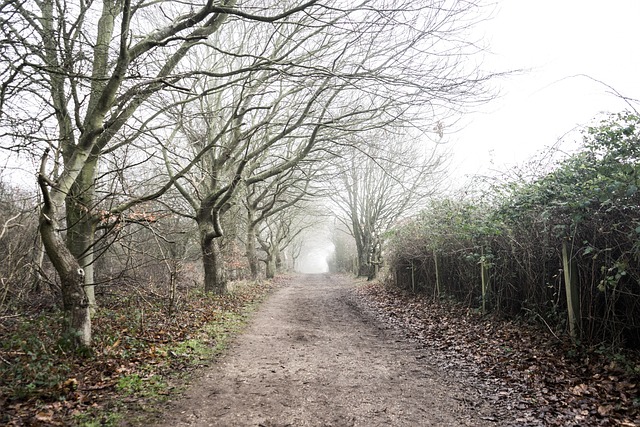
344,256
307,84
278,231
87,70
268,198
83,79
246,144
380,183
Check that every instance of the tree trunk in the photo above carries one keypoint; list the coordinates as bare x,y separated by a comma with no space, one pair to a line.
363,247
38,261
77,319
373,272
363,264
81,228
252,254
278,260
214,277
271,266
375,259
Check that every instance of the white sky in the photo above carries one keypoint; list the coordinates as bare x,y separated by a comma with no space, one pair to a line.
555,39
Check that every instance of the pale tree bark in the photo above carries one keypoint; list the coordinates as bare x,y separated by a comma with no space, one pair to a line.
87,101
82,227
77,320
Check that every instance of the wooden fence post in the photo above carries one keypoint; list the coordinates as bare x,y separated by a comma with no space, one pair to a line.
485,285
435,259
413,278
572,291
484,273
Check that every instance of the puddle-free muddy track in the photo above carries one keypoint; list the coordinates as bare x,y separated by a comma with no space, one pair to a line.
314,356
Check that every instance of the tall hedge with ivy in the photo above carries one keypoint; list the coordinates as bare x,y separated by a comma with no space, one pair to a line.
591,200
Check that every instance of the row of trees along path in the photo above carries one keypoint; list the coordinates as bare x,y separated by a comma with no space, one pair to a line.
145,113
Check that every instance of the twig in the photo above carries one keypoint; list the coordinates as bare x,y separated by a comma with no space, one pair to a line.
6,225
5,361
545,322
99,386
9,316
151,340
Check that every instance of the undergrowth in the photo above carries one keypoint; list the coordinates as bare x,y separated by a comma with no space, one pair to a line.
140,355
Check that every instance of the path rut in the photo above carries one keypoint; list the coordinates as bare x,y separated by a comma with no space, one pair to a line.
313,356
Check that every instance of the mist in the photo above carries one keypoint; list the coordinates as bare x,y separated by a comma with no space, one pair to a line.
315,260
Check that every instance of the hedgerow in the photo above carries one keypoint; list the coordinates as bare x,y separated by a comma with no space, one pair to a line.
590,202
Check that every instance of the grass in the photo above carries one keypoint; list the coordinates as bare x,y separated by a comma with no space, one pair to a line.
139,358
137,385
94,419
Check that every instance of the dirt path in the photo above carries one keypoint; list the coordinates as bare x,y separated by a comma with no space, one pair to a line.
313,356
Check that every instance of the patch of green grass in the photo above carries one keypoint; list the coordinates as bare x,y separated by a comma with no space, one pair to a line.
202,345
193,348
212,339
155,354
91,419
136,385
130,384
220,331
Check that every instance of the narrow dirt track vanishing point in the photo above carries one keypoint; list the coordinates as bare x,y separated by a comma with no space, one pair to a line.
314,356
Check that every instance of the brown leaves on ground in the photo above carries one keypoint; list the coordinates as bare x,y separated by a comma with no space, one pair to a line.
534,378
138,342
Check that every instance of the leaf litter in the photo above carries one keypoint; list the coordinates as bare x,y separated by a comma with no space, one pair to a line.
532,377
138,350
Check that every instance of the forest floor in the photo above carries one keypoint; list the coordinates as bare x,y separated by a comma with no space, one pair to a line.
322,352
531,375
147,346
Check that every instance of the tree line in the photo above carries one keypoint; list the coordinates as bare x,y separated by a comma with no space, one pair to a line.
161,124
